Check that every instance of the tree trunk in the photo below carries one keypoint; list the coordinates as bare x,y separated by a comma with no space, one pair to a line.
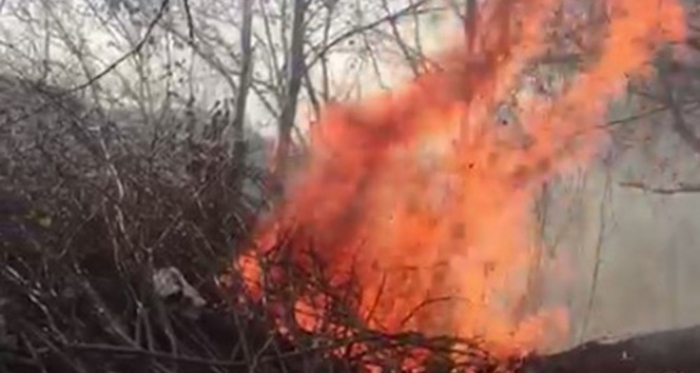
295,72
239,146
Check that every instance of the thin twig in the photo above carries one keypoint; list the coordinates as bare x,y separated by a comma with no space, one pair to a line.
681,189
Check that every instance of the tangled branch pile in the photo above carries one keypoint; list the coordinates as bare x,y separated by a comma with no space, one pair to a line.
112,243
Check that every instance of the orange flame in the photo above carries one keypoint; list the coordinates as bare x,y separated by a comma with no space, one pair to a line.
423,200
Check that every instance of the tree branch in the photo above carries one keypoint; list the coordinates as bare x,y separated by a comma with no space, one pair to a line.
681,189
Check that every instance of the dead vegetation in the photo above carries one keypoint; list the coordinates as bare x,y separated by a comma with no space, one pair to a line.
98,234
112,251
113,244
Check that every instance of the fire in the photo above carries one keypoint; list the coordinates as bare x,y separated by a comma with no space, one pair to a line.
414,210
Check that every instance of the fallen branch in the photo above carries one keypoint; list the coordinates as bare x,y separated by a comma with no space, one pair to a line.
680,189
659,352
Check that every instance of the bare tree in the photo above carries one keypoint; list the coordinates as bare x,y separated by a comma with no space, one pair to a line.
295,72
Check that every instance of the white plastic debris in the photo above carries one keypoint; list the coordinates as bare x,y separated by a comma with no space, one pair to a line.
170,281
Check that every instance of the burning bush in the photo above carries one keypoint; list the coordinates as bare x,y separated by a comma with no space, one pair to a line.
373,238
402,246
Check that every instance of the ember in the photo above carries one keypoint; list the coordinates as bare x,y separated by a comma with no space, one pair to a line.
413,213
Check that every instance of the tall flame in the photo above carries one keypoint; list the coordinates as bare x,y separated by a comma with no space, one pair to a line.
423,200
